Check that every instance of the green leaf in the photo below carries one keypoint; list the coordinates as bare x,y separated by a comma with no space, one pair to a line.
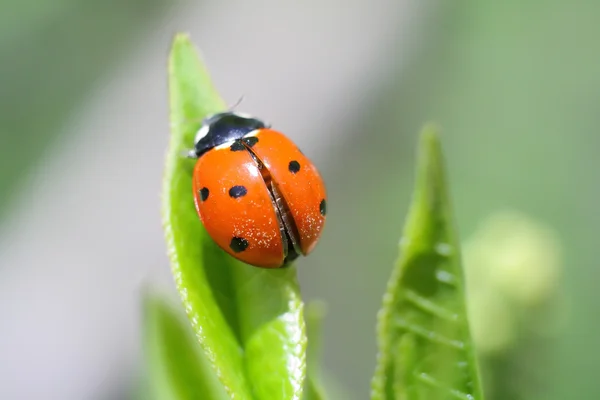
177,368
315,312
425,347
249,321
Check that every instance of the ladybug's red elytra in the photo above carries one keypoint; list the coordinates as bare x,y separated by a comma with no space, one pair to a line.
259,198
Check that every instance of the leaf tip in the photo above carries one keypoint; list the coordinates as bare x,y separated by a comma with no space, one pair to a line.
430,171
181,38
430,142
151,301
182,43
316,309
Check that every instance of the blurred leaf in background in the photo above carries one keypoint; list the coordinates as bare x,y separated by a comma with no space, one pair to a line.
314,387
176,366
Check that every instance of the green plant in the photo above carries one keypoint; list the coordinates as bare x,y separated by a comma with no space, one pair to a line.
249,322
425,347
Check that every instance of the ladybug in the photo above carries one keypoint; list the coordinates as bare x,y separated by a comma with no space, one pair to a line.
259,197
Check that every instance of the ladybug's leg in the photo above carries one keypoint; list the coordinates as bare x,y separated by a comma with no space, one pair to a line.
189,154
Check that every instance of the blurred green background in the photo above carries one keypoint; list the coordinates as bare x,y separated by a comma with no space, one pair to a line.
515,86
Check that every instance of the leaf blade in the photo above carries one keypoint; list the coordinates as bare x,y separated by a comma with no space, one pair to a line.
425,346
192,97
249,321
273,331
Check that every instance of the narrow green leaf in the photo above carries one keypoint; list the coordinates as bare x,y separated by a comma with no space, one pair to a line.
177,369
249,321
315,312
425,347
192,97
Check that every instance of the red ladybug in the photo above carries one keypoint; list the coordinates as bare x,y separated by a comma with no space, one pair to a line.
258,196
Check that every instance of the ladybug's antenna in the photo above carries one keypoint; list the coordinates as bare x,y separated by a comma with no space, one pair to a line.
237,103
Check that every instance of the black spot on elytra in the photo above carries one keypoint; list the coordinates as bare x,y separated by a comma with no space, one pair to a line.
238,244
294,166
237,146
204,193
323,207
237,191
250,141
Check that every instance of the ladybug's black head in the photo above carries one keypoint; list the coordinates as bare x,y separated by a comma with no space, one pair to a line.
222,128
